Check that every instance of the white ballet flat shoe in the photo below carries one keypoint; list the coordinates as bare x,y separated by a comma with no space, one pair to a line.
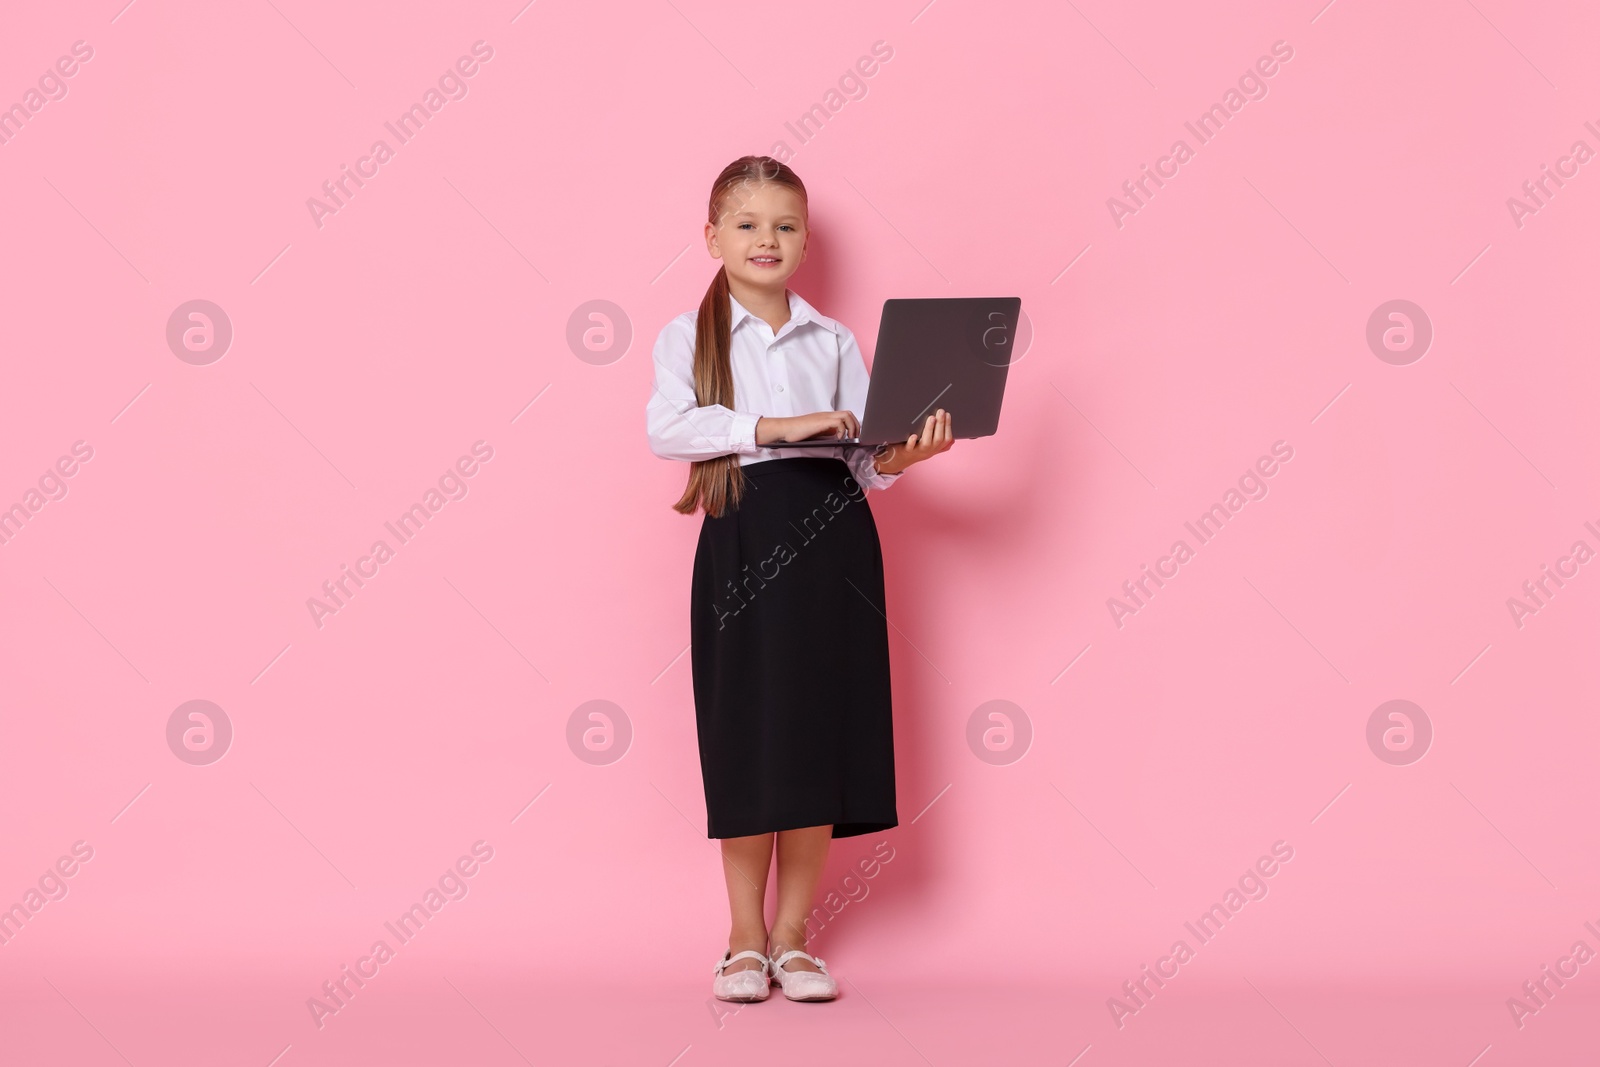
804,985
746,985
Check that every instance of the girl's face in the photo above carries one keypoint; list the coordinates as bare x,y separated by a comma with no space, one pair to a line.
761,236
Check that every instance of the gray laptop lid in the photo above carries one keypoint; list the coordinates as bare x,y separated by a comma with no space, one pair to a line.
940,352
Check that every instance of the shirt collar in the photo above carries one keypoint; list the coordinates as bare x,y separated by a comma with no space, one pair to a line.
800,311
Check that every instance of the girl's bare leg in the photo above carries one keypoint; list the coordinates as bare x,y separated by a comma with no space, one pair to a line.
801,855
745,862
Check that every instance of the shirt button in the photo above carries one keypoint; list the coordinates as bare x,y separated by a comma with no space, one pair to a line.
780,388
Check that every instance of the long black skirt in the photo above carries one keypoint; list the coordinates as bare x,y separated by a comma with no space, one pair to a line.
790,655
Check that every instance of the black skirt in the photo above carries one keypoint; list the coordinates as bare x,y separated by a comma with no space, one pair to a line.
790,655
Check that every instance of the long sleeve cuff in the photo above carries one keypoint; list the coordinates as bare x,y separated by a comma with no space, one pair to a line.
742,434
861,465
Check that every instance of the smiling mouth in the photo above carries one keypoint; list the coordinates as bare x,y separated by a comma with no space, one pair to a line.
765,261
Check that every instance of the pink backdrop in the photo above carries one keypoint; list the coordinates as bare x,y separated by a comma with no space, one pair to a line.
368,346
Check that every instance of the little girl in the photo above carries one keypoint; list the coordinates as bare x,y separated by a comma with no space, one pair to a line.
787,624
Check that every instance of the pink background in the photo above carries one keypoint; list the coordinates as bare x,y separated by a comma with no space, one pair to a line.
1167,355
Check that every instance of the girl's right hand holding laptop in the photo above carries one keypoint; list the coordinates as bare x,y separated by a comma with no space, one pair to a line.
937,436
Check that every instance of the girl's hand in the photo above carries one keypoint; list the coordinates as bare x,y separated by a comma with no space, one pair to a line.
936,437
805,427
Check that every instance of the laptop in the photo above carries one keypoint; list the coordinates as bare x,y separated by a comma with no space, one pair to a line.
941,352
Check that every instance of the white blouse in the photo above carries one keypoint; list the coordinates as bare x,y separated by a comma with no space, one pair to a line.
812,364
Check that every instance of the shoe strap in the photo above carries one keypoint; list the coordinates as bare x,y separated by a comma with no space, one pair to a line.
747,954
795,953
